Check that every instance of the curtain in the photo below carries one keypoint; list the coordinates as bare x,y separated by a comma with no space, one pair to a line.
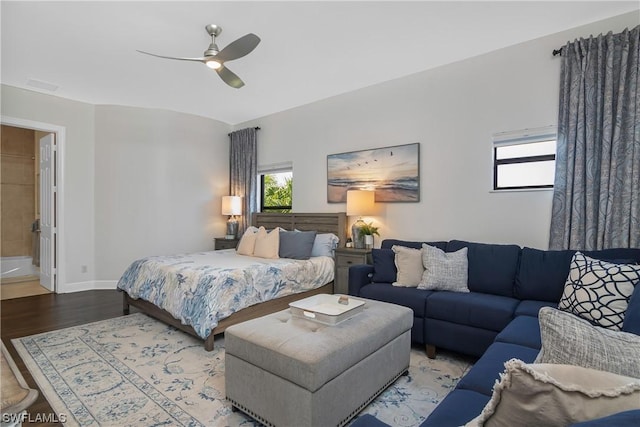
596,200
243,171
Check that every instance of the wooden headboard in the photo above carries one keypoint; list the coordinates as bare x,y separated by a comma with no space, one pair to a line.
335,223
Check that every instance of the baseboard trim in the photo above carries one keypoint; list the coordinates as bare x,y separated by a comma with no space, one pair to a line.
87,286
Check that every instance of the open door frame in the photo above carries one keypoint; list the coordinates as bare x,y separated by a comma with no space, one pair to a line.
60,138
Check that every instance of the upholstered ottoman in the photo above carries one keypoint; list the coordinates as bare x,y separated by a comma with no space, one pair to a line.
290,371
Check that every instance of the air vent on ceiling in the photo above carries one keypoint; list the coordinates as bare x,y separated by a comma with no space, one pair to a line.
42,85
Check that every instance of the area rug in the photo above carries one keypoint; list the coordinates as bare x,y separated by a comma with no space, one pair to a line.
134,370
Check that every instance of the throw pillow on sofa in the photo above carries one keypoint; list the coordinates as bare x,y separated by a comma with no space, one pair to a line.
384,267
568,339
556,395
409,265
599,291
444,271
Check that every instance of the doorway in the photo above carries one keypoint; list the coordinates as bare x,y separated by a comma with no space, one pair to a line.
45,241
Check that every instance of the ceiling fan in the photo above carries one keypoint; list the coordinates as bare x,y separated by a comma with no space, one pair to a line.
215,58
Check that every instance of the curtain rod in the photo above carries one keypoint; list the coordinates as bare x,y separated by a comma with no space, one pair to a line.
256,128
557,52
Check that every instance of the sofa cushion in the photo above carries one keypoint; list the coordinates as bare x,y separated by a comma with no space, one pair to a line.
413,298
599,291
556,395
492,268
523,330
459,407
488,368
384,266
632,317
621,419
531,308
444,271
389,243
616,254
542,274
568,339
484,311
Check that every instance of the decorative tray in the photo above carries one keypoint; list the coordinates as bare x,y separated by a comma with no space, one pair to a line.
327,309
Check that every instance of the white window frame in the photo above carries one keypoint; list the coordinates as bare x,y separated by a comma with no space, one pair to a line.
520,137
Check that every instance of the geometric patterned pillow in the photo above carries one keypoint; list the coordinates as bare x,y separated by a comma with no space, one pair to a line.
599,291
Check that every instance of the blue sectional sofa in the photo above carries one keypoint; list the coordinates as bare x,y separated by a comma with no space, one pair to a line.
496,321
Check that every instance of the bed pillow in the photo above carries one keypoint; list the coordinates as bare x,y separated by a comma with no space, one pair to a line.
632,316
409,265
267,243
384,266
599,291
444,271
568,339
556,395
324,244
296,244
247,242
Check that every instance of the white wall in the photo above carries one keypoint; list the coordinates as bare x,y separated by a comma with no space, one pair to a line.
452,111
78,119
160,177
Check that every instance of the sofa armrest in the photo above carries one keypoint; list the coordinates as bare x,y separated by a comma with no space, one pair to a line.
621,419
359,275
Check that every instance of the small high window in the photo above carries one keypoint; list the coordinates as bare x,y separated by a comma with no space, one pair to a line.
275,183
524,159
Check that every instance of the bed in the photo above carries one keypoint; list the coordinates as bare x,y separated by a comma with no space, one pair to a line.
266,299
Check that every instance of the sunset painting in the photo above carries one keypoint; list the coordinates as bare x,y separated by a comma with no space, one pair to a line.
393,172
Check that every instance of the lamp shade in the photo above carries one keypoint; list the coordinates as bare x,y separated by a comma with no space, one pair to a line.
360,202
231,205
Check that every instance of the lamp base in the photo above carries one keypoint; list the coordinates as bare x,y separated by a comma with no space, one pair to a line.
356,234
232,229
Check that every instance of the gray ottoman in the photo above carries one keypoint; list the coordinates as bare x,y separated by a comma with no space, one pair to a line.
287,371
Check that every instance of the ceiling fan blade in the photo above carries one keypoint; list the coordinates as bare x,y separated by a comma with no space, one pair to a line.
238,48
173,57
229,77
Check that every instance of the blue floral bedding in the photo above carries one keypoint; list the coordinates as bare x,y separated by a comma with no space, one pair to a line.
202,288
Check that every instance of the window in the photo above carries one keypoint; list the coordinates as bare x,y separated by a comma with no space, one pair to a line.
524,159
275,186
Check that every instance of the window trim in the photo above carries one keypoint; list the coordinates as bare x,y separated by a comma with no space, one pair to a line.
523,137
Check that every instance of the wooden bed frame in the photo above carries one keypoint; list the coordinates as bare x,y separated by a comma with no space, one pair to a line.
335,223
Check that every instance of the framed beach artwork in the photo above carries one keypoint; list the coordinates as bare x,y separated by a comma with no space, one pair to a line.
393,172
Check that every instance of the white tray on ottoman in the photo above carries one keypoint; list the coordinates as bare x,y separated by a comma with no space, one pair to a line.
284,370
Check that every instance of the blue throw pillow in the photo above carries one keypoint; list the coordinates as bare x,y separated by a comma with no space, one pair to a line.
632,316
296,244
384,266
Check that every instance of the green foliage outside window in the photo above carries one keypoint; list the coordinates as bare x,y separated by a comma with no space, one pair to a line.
277,190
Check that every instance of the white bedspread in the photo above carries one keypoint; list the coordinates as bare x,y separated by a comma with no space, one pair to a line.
202,288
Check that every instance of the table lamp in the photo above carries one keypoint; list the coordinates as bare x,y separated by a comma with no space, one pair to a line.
231,205
359,203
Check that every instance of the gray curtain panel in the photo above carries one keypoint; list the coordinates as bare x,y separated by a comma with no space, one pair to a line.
243,169
596,200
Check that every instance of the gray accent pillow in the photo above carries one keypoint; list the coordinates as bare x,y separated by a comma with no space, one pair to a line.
599,291
409,265
325,244
570,340
296,244
444,271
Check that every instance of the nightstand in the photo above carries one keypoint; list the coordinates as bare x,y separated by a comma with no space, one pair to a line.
222,243
345,258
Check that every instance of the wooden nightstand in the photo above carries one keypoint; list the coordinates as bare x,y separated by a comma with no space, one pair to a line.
345,258
222,243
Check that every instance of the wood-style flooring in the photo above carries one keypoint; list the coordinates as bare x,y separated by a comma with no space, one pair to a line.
22,289
32,315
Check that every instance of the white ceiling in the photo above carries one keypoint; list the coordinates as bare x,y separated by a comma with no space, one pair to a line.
309,50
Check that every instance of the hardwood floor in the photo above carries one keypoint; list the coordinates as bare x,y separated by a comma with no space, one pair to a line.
32,315
22,289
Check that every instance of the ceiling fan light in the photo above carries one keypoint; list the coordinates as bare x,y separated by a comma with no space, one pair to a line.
214,65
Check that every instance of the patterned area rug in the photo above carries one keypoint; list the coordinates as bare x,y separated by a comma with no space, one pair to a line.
134,370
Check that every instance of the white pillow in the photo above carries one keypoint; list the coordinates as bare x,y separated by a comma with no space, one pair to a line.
444,271
247,242
267,244
409,265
